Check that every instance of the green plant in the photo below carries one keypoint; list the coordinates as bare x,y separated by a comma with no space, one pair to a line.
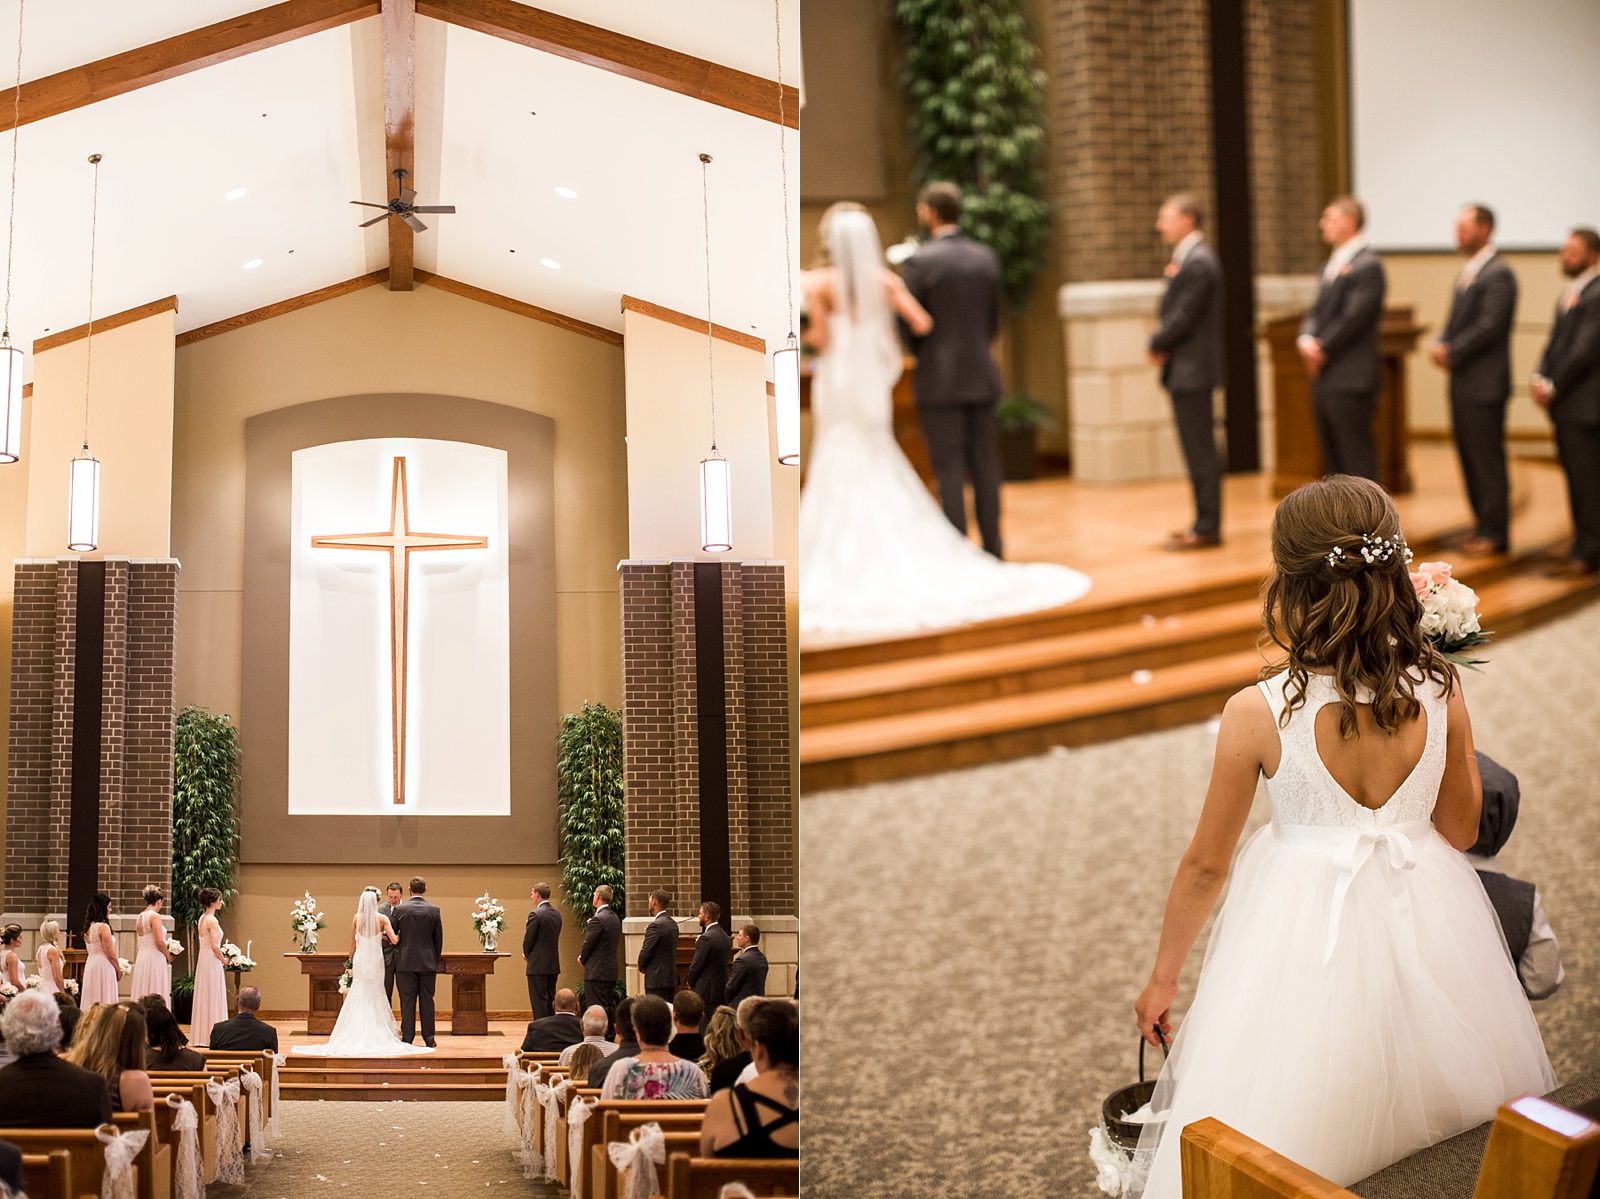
205,825
183,986
589,790
1023,412
977,119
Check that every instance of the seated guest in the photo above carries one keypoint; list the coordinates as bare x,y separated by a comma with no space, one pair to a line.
246,1030
721,1039
761,1118
729,1069
687,1010
111,1042
40,1090
622,1022
11,1173
169,1048
558,1030
652,1072
594,1033
70,1013
586,1055
749,975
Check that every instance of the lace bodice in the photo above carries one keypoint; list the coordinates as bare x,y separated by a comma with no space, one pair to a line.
147,930
1302,790
92,940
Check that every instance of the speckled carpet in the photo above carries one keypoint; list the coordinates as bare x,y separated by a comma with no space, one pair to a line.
975,940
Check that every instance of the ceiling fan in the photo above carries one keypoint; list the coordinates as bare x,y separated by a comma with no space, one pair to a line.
402,206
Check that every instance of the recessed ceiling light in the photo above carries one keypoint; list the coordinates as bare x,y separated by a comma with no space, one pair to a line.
566,193
551,263
237,193
253,263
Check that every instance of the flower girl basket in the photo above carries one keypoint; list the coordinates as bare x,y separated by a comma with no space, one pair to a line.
1126,1100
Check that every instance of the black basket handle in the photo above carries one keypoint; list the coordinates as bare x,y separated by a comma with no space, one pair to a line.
1142,1043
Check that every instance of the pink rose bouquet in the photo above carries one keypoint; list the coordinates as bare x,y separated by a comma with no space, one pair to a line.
1449,613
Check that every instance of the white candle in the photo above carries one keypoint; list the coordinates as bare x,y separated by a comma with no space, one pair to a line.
247,945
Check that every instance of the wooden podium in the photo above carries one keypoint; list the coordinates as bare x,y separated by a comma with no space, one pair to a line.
469,975
1299,456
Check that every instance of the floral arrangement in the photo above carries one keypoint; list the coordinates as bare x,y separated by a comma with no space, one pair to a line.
306,922
1449,613
8,989
174,946
71,986
347,977
124,968
237,959
488,918
31,982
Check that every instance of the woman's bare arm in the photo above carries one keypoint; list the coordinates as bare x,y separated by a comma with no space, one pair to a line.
905,305
716,1127
818,286
1460,801
387,928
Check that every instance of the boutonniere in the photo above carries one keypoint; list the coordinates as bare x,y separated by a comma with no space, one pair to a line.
1344,270
1170,269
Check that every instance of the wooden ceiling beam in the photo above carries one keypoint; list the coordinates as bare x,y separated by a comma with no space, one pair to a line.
620,54
400,129
78,87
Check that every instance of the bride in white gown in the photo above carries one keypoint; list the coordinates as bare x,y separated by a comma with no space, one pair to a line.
366,1026
877,556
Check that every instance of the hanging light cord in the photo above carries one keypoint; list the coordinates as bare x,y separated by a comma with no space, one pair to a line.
88,349
783,160
16,132
711,353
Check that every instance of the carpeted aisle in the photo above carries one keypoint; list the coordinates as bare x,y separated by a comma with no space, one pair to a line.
975,940
385,1150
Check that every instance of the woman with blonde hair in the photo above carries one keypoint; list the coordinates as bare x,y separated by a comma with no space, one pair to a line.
1357,1003
152,968
48,960
110,1041
584,1057
721,1038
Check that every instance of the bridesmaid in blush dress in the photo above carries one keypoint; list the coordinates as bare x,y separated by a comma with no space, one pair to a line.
100,971
152,969
210,980
51,967
10,959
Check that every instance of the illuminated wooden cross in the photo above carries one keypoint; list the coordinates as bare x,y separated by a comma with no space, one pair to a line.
399,542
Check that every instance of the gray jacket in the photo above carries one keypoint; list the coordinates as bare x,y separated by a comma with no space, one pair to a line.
958,280
1190,333
1345,319
1572,360
1478,334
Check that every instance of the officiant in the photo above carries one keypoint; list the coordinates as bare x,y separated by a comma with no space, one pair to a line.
386,908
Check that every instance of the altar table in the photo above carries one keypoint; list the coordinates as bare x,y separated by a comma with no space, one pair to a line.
469,975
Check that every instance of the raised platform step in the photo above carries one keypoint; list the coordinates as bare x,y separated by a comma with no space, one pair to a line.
389,1093
468,1078
292,1076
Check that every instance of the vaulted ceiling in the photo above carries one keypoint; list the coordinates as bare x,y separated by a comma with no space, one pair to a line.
610,99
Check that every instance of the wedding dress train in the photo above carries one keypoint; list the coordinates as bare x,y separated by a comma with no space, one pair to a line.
366,1024
877,556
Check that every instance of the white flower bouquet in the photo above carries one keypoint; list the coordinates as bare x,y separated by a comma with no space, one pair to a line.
488,918
124,967
1449,613
347,977
306,922
71,986
8,989
174,946
31,982
236,957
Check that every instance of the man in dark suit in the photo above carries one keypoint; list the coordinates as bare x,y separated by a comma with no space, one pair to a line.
541,947
598,957
1187,346
749,968
40,1090
1475,348
1339,343
958,280
421,931
658,956
627,1043
713,950
247,1030
386,908
1568,388
553,1033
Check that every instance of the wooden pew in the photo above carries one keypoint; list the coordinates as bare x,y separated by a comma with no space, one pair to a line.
689,1177
563,1138
48,1175
605,1180
87,1156
262,1062
155,1159
195,1093
650,1109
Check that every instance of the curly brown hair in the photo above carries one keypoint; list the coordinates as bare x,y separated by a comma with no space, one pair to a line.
1358,618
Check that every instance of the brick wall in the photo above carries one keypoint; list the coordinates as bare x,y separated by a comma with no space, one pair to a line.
139,670
1132,124
661,739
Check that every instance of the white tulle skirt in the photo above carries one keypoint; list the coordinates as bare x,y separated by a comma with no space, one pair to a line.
1413,1030
366,1025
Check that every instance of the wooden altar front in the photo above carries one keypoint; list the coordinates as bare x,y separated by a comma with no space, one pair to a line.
469,977
1299,455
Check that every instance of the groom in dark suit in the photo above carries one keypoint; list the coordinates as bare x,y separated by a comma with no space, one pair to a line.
421,932
958,280
541,947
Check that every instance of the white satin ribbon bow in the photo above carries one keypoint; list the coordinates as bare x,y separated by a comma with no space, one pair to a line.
1350,849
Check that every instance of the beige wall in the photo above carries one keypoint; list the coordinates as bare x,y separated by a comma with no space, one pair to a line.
13,540
669,432
130,431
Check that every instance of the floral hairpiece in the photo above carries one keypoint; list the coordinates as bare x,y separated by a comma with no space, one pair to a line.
1373,549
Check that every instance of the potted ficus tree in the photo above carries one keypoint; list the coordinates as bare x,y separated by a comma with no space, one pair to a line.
589,792
1019,419
205,828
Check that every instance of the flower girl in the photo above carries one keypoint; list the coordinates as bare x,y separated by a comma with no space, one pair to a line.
1357,1002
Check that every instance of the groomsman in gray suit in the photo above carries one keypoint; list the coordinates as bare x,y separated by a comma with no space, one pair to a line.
386,908
957,384
1568,388
1187,346
1339,343
1475,348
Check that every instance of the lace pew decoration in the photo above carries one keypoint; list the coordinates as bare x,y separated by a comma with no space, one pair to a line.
636,1160
513,1093
188,1165
578,1114
230,1138
550,1098
250,1082
278,1060
121,1149
528,1122
735,1190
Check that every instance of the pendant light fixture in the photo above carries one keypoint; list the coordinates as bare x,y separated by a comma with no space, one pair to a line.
716,483
786,362
10,355
83,473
